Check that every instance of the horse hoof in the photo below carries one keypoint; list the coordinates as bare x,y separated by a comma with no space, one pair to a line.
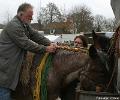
58,98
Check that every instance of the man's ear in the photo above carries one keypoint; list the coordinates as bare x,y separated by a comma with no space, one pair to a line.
20,13
93,52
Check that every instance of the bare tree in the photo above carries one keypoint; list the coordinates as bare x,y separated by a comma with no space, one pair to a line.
8,17
99,23
103,24
82,18
50,14
110,24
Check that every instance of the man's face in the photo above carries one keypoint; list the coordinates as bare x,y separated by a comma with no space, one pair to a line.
27,15
78,43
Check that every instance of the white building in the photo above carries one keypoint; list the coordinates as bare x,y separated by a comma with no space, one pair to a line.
1,30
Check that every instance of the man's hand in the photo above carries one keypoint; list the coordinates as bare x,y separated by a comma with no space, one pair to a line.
51,48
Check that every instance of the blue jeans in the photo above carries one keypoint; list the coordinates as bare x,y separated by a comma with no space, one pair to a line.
5,93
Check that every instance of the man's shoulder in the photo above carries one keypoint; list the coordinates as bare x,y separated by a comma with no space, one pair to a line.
14,23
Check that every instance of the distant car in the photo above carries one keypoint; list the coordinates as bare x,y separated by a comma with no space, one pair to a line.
109,34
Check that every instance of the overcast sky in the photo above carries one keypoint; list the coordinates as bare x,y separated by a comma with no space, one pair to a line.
101,7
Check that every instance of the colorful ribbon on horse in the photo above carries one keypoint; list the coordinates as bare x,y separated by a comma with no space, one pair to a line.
44,74
36,91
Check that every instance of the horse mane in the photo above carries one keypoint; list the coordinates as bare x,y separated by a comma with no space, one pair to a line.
68,52
64,60
62,53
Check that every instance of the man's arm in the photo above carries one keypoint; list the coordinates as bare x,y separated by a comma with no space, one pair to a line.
38,38
18,36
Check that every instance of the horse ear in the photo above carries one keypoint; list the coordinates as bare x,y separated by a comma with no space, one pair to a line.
93,52
94,36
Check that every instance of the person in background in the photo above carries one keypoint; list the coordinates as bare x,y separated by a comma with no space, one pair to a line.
80,41
15,39
72,79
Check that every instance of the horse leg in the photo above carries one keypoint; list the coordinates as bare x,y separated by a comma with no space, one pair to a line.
52,96
53,86
69,91
53,93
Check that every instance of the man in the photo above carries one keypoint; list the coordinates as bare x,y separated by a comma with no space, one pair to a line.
17,38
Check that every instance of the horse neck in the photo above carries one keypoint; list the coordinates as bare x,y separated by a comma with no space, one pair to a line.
66,62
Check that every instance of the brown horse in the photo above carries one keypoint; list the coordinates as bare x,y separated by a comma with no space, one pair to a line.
65,62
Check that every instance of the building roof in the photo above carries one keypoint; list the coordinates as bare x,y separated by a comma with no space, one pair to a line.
37,26
60,25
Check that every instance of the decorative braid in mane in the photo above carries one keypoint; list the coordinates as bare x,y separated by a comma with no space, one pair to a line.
84,50
69,57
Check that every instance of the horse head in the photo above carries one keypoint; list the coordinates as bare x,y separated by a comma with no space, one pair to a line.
97,72
104,45
101,42
65,62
